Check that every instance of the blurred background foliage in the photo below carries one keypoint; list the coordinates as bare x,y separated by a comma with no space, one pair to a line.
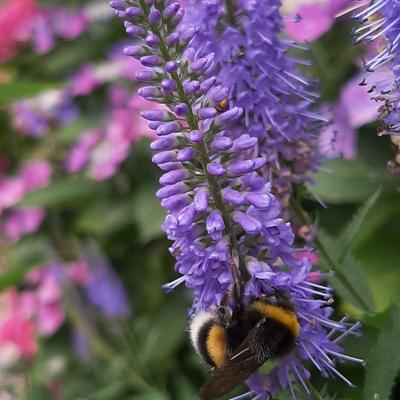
146,355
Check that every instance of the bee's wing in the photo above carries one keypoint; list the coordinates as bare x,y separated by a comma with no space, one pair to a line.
236,370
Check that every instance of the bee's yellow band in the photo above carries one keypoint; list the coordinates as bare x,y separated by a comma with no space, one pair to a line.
217,345
285,317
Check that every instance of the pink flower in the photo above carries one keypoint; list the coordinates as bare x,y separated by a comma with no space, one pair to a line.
80,152
12,190
21,333
22,222
70,24
308,255
314,21
49,318
57,22
85,81
44,303
15,328
311,21
36,175
78,272
15,21
353,109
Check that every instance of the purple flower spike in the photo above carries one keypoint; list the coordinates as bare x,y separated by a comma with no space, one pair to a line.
264,80
226,135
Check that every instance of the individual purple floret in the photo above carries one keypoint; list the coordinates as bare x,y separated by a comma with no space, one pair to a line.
263,79
218,203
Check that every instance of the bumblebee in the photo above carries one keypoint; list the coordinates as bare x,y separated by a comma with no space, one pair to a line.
236,341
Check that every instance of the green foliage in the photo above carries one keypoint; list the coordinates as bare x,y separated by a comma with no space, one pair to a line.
343,181
147,213
22,257
69,191
10,92
384,359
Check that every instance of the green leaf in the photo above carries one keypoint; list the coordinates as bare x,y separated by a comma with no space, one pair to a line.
69,191
359,294
151,395
384,360
113,216
69,133
20,258
349,279
147,213
353,227
173,316
13,91
344,181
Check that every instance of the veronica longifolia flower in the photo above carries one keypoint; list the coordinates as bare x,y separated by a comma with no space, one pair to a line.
212,188
263,79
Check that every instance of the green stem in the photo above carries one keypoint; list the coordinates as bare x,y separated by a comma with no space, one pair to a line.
230,13
200,147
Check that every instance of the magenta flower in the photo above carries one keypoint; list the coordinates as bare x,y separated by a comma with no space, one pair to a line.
12,190
22,222
353,109
17,332
35,175
16,18
309,21
79,155
53,22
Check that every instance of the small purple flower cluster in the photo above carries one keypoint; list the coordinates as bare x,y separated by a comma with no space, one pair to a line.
219,203
380,24
263,79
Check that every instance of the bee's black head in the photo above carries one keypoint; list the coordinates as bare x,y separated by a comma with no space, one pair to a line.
278,297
